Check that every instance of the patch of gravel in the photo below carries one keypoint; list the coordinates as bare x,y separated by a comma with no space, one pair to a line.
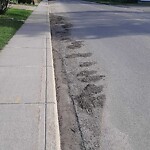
86,73
57,20
91,78
80,93
67,26
87,99
75,45
75,55
60,28
86,64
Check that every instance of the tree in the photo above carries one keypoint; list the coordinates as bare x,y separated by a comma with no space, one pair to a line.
3,5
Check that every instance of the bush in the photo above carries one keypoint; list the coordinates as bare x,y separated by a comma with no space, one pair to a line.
3,5
26,1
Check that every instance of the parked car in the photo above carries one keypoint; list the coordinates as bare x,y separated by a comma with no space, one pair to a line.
3,5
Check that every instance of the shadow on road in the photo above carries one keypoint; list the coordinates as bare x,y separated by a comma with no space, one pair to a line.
106,24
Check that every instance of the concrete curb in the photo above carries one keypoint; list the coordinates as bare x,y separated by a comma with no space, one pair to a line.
53,140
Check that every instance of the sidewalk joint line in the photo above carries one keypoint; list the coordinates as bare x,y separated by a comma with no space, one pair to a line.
38,103
46,99
26,47
21,66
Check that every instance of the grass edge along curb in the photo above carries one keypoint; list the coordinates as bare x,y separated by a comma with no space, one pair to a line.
10,22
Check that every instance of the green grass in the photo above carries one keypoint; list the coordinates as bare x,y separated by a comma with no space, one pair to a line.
10,22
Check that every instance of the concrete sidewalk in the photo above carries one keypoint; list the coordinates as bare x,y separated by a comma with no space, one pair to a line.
28,107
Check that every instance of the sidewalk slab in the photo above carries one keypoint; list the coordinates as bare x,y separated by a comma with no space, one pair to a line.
20,85
28,41
20,126
28,106
16,57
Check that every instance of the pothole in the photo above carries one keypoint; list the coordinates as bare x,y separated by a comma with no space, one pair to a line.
57,19
65,38
67,25
91,78
60,27
75,55
86,64
86,73
88,99
75,44
91,89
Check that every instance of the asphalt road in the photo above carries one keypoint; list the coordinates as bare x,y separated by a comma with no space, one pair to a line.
119,39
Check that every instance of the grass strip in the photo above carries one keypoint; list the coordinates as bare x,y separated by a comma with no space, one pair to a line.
10,22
